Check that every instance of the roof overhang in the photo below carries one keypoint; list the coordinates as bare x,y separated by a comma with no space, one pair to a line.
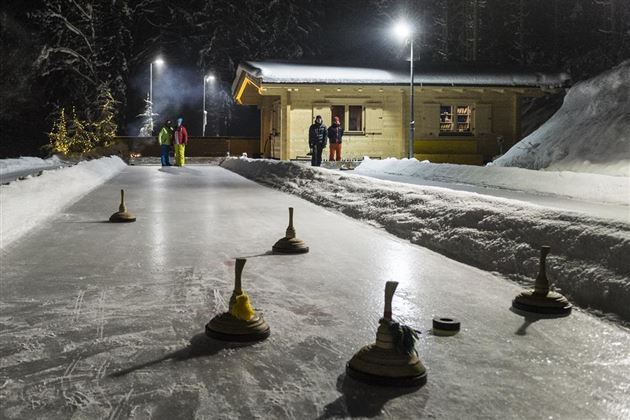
252,76
247,91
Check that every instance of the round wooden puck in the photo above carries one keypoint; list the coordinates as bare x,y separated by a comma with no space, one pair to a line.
445,326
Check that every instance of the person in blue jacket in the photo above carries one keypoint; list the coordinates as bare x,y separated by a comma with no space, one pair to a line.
317,136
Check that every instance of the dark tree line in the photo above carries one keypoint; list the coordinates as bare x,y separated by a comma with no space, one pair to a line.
71,51
583,37
64,53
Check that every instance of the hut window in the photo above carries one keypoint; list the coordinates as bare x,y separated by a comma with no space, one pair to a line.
338,111
455,120
350,116
355,118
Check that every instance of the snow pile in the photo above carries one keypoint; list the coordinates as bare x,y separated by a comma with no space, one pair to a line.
28,162
589,133
580,186
589,260
25,204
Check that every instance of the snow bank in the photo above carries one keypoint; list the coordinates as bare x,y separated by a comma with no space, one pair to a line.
25,204
27,162
589,260
589,133
580,186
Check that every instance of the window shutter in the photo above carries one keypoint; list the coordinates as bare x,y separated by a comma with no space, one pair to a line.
322,109
428,122
483,119
373,118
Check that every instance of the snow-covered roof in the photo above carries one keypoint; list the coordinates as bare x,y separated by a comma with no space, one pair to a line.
296,73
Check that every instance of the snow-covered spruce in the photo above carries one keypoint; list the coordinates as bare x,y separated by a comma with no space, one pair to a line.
27,203
588,263
589,133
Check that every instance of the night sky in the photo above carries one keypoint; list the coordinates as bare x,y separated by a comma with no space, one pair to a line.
582,37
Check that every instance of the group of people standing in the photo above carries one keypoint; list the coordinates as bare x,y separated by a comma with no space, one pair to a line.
319,135
177,137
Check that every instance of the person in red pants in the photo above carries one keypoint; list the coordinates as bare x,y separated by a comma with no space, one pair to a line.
335,133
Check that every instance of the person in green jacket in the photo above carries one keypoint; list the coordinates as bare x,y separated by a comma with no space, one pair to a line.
164,138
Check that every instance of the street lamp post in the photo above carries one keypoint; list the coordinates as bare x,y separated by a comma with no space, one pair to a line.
158,62
206,79
405,31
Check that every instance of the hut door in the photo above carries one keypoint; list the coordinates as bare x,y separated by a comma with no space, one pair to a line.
483,119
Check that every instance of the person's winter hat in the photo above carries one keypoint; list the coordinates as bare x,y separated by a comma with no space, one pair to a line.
319,117
336,119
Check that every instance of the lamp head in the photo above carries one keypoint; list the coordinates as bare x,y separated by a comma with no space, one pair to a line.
158,61
210,78
403,30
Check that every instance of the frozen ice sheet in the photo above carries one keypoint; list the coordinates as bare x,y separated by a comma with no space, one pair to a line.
103,320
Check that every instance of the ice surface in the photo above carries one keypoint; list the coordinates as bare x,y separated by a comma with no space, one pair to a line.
589,133
27,203
589,260
97,319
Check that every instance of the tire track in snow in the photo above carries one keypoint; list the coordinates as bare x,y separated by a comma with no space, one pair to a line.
65,382
219,301
78,303
102,370
100,316
118,409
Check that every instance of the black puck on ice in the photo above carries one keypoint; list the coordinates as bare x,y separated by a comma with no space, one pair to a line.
445,326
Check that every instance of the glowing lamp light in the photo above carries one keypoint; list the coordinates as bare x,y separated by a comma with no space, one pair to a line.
403,30
158,61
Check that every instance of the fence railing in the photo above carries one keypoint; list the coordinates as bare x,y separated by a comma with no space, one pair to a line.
197,146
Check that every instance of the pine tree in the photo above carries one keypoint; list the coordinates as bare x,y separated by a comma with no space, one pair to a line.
147,126
105,127
82,139
58,135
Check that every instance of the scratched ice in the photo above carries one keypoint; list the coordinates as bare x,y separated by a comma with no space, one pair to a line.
106,321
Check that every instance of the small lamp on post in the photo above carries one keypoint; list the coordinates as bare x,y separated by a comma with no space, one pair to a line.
404,31
206,79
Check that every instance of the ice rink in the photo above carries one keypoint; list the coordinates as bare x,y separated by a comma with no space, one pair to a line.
104,320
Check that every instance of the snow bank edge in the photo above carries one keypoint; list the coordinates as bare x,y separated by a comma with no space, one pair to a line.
28,203
588,263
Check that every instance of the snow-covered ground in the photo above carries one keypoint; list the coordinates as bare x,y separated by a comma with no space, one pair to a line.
12,169
27,203
105,321
28,162
602,189
589,133
589,260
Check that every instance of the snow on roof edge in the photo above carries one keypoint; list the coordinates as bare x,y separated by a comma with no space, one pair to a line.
297,73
